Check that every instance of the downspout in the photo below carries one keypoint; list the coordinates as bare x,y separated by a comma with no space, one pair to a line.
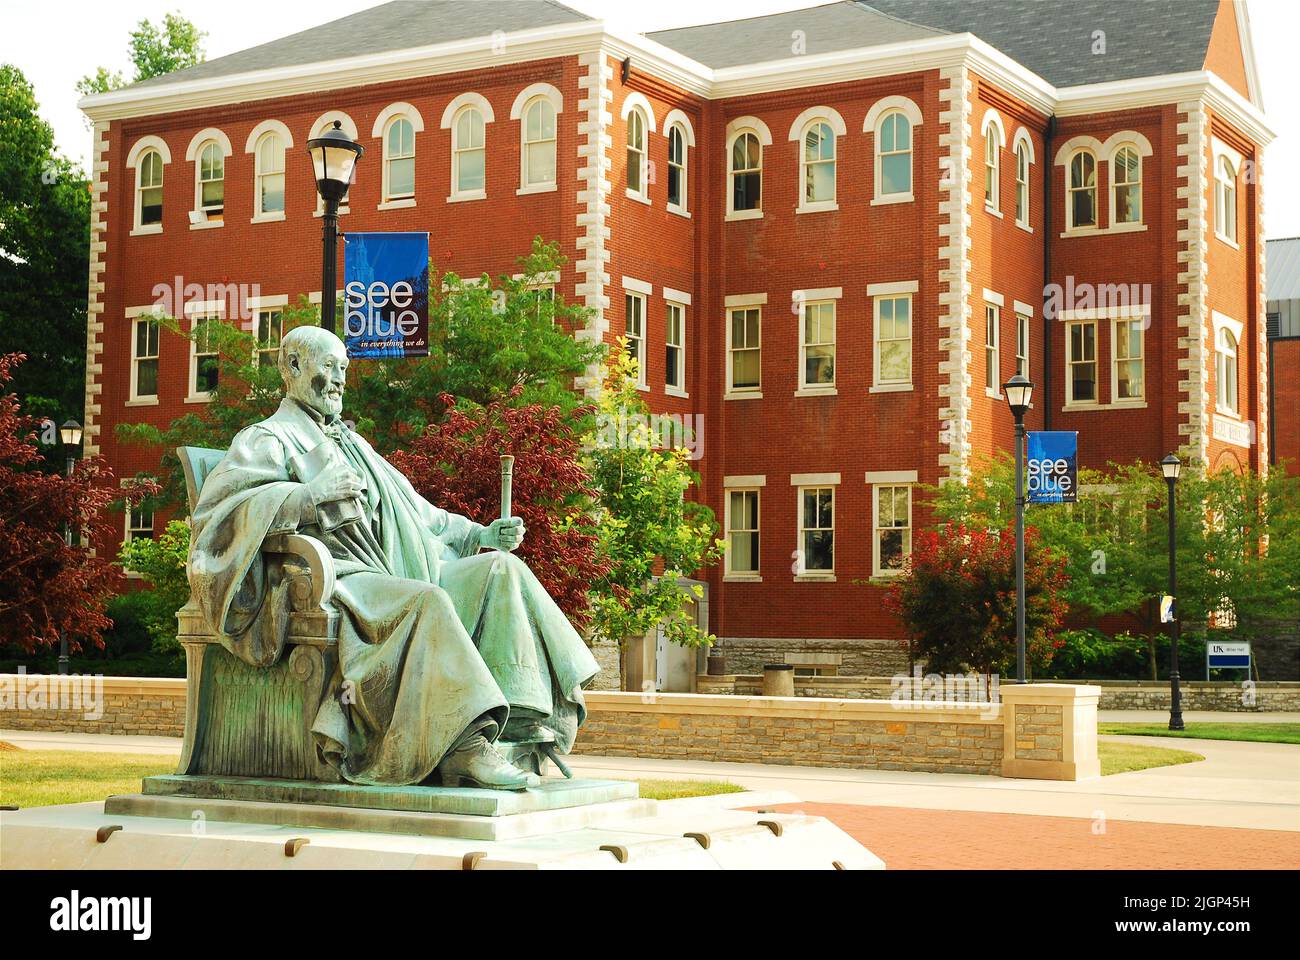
1047,271
1272,405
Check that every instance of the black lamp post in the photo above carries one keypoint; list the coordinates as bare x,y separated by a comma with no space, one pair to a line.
1020,390
334,158
1171,466
70,434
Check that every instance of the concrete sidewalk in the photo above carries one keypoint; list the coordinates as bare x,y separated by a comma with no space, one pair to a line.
1251,785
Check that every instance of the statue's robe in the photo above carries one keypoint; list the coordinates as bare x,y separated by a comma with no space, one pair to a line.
437,641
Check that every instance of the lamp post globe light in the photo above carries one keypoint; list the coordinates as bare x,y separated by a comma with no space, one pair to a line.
334,158
1019,392
70,434
1171,467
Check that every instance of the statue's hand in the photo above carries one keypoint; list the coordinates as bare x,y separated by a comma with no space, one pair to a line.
504,535
336,482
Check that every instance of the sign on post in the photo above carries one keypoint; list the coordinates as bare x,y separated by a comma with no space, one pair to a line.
386,295
1227,655
1053,466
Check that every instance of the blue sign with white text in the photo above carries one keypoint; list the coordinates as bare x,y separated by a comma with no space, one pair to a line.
386,295
1053,467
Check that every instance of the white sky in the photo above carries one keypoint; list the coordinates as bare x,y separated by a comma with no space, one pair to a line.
56,42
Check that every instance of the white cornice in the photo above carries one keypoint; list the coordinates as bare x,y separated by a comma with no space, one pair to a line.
910,56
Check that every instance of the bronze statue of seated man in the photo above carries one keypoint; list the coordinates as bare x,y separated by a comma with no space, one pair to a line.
447,644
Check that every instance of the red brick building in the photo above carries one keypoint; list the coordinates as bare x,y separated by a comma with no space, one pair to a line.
832,233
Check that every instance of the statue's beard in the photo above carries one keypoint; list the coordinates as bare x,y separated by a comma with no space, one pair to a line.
321,400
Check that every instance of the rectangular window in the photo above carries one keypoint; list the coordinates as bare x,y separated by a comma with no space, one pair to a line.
893,340
742,531
203,358
144,375
745,353
992,318
893,528
816,530
635,307
1022,345
1081,381
818,344
674,347
270,327
139,523
1129,363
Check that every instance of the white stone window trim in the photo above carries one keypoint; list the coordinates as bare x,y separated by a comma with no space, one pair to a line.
1022,140
892,291
194,154
871,124
197,311
890,479
675,298
800,301
1222,322
142,147
993,121
996,301
731,303
450,116
641,291
379,130
735,129
813,481
798,130
1071,319
1115,399
754,485
254,146
519,111
1142,146
1220,151
679,119
639,103
135,315
1024,311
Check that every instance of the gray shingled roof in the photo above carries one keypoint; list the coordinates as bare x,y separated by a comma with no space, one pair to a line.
831,27
400,25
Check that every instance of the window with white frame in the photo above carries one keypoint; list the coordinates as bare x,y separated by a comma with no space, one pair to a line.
992,346
1022,183
816,530
817,163
745,352
1022,344
270,175
677,168
149,189
270,328
468,153
211,186
1225,370
539,143
1225,199
746,172
1126,185
636,153
893,316
675,347
1081,193
139,523
817,344
204,371
892,543
635,332
1081,361
992,164
1130,364
742,531
894,155
144,359
399,160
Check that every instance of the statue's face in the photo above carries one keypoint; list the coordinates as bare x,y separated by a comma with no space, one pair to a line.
318,376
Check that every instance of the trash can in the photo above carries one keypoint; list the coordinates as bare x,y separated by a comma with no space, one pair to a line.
778,680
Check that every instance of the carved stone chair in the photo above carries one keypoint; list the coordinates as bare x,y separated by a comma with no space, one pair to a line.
250,721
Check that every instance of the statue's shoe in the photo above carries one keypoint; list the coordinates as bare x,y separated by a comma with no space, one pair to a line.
479,764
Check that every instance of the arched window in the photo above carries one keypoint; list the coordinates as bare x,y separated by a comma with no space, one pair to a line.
746,173
270,175
211,186
468,154
1126,186
894,155
539,143
149,189
636,154
399,160
1225,199
1225,370
1022,183
1081,201
677,168
992,165
817,161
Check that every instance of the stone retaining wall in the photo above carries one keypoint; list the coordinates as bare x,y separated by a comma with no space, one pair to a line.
142,706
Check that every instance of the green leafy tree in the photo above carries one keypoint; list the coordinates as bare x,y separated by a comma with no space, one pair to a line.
154,50
44,244
649,534
161,561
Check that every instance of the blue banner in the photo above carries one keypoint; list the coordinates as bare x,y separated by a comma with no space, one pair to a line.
1052,470
386,295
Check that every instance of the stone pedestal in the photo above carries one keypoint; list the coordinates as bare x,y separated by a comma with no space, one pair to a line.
778,680
1049,731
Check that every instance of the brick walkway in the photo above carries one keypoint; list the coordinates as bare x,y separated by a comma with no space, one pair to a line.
908,839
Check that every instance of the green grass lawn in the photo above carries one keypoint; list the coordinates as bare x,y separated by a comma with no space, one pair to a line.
39,778
1258,732
1127,757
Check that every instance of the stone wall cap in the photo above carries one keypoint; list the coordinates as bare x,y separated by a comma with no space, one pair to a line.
1049,691
828,708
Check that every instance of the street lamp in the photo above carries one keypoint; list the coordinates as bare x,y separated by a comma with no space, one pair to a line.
70,434
1171,466
1020,390
334,158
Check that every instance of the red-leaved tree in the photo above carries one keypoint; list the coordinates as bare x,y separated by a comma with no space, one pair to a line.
456,465
957,599
46,585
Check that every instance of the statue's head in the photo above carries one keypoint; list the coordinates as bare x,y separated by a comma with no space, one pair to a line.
314,364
